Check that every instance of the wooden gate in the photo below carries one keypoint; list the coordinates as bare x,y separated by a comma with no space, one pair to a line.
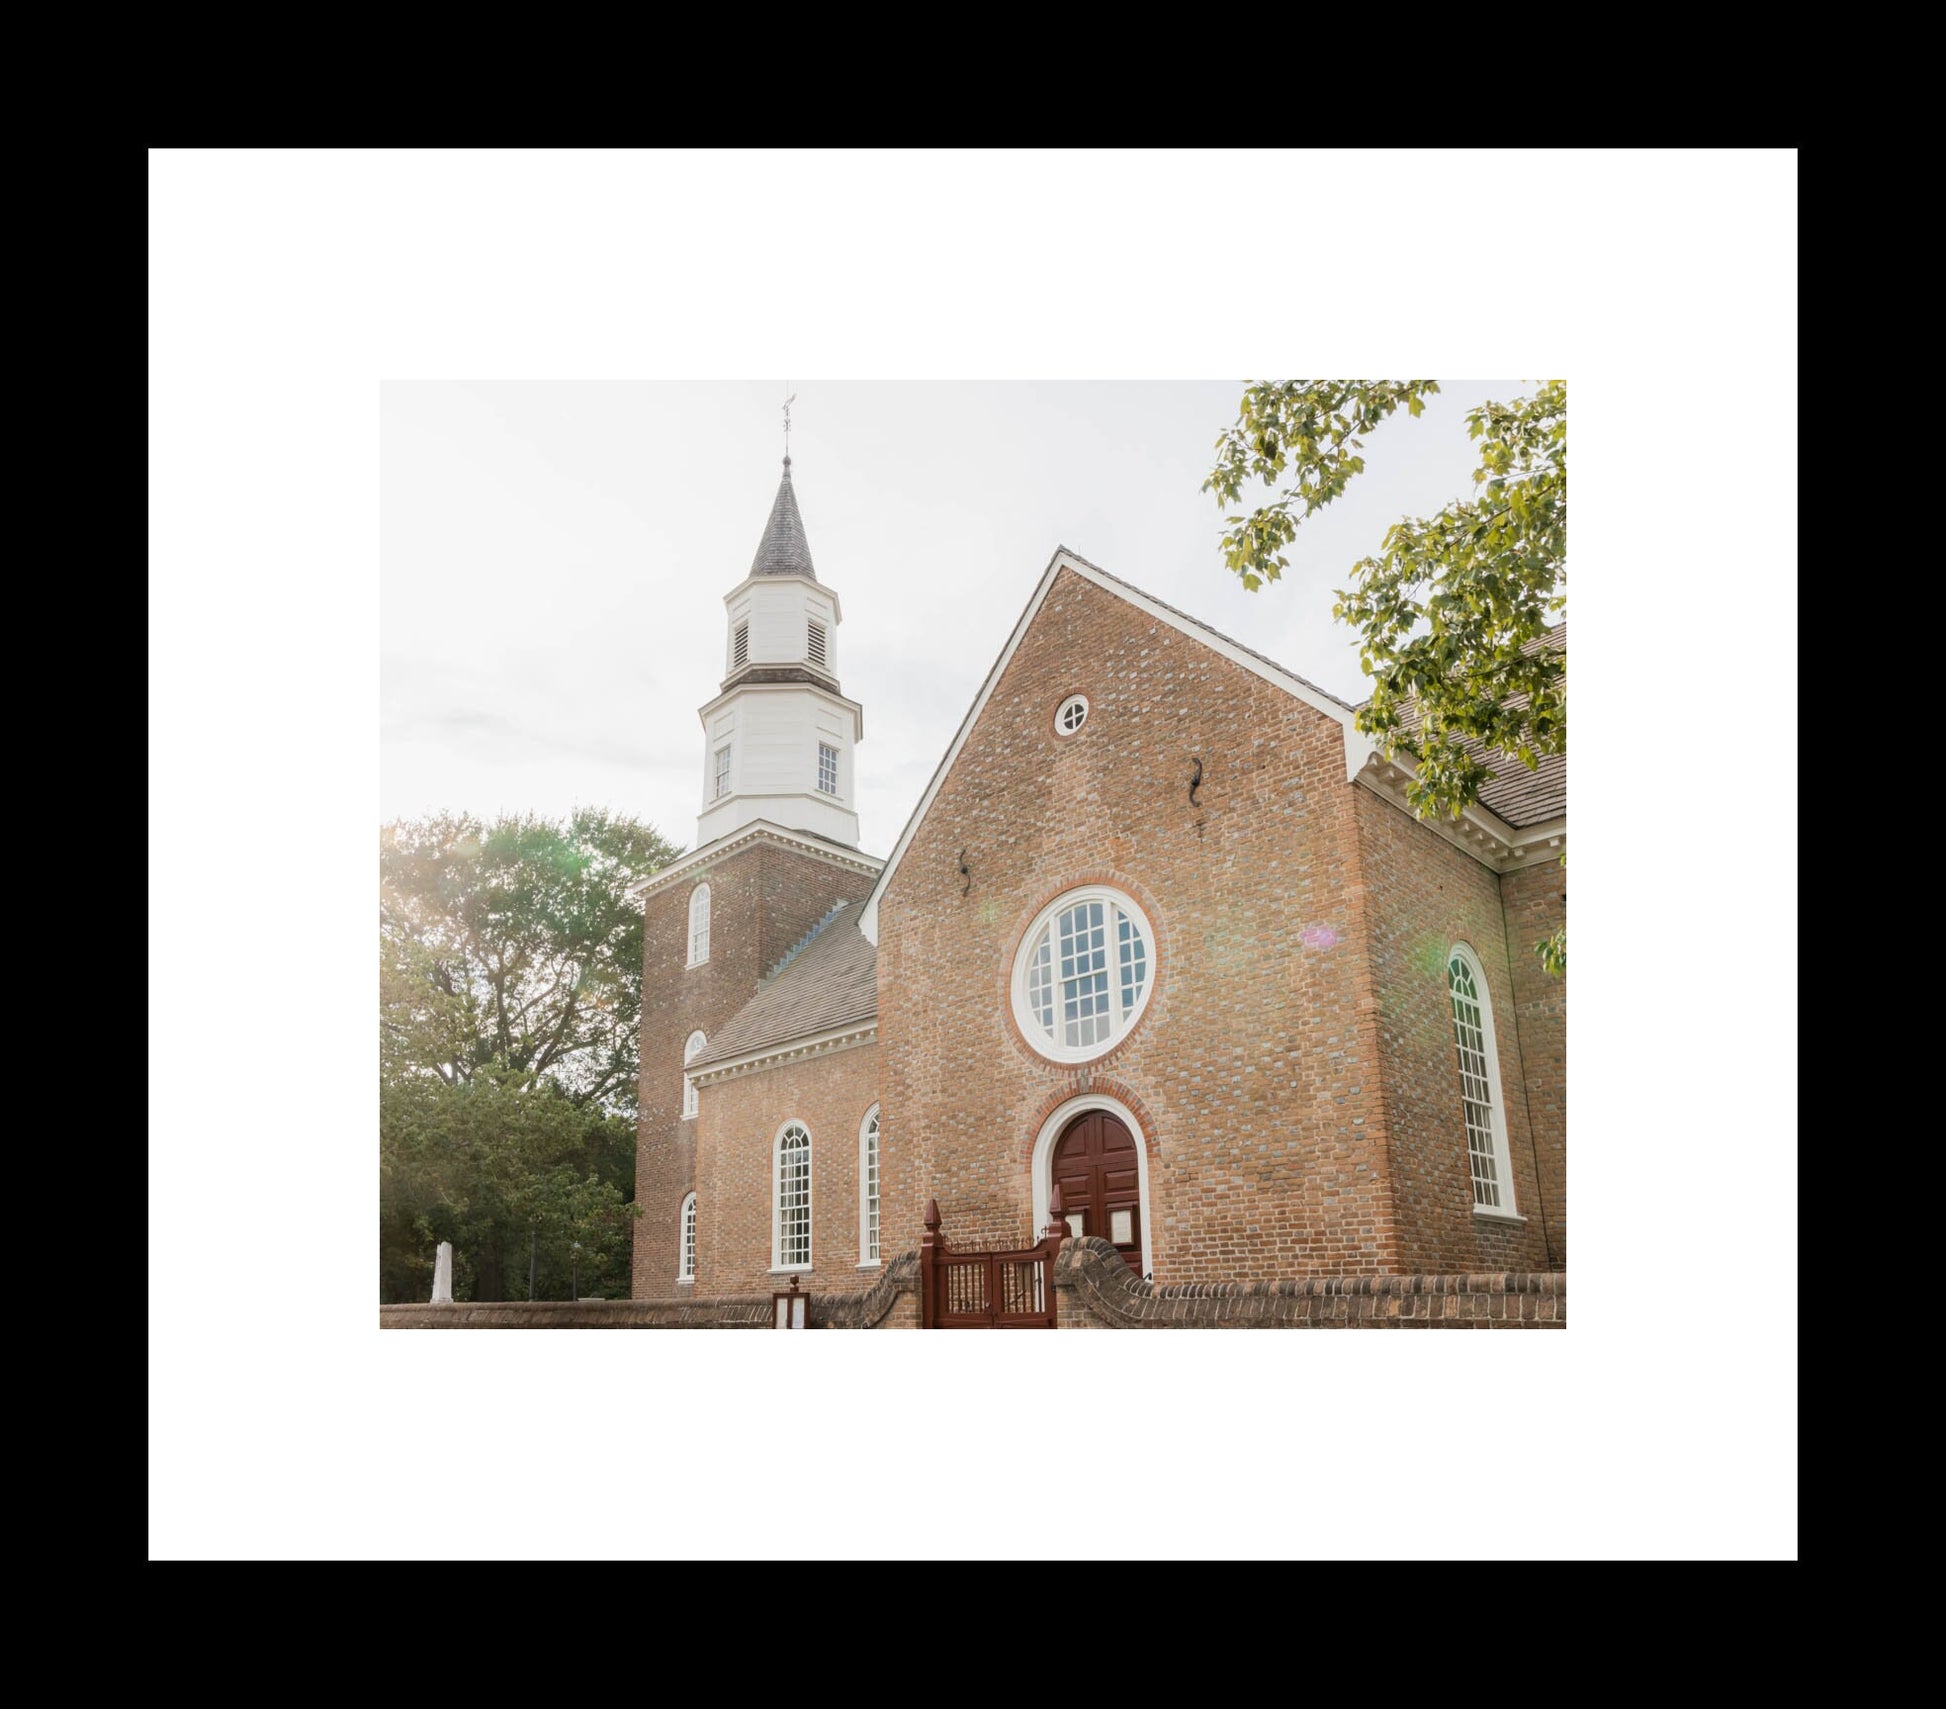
988,1290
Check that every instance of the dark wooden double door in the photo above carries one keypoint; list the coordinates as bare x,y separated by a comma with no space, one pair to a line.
1100,1182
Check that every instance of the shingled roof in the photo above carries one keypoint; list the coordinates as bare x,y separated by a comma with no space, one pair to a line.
1521,797
827,982
783,551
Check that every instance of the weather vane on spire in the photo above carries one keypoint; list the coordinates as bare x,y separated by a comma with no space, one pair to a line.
787,424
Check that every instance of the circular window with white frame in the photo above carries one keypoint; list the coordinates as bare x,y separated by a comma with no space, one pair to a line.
1070,715
1084,974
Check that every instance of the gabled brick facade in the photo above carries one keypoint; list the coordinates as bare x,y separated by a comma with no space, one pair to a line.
1253,1073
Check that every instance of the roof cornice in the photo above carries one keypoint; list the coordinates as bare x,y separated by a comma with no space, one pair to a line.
744,836
1480,831
725,696
775,671
788,1050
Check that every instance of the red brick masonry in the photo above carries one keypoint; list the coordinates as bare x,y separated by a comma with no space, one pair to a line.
763,899
1093,1290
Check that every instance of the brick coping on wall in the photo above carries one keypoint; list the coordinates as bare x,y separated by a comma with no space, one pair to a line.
1094,1289
869,1309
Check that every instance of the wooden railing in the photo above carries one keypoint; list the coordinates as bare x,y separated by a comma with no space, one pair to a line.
988,1290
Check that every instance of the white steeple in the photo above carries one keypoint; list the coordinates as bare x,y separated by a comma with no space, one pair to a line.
778,739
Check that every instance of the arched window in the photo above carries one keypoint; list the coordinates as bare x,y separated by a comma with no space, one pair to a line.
791,1218
690,1051
1480,1097
699,925
868,1188
686,1249
1084,974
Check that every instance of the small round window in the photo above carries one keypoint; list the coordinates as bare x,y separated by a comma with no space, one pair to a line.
1070,715
1084,974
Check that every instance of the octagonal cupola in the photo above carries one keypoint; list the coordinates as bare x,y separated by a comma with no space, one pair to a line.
778,739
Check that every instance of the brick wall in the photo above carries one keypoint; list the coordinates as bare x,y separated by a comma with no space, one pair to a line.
739,1122
581,1314
1422,895
1093,1289
1253,1072
891,1302
762,900
1536,901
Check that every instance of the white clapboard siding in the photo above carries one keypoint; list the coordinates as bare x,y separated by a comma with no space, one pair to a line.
773,729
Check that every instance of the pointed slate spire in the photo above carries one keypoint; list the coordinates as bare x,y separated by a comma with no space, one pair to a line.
783,551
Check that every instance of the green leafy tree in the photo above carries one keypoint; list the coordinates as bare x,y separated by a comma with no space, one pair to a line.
1454,611
510,996
504,1166
516,944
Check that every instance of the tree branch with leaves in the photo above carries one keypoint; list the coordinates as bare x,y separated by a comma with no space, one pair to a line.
1454,612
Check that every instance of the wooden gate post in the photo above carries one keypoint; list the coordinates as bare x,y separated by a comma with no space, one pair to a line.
1057,1224
988,1289
930,1247
1051,1238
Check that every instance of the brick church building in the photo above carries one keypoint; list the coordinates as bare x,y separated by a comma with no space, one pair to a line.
1160,932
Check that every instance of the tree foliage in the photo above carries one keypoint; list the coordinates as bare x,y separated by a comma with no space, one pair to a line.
1454,610
501,1164
516,944
510,994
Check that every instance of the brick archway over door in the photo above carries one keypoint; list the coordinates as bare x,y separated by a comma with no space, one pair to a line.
1096,1168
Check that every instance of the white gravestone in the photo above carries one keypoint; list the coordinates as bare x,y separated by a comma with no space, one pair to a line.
442,1275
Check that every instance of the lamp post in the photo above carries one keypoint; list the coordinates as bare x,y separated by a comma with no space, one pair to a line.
574,1259
533,1240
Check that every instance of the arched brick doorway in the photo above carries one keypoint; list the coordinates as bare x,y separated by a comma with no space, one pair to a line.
1095,1164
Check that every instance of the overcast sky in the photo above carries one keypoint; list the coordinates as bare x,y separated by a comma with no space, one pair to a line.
555,556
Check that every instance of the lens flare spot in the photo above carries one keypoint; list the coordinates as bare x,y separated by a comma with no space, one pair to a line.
1319,937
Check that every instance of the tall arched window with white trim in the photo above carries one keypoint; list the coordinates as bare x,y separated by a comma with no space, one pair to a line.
868,1188
790,1247
690,1051
686,1245
1480,1095
699,925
